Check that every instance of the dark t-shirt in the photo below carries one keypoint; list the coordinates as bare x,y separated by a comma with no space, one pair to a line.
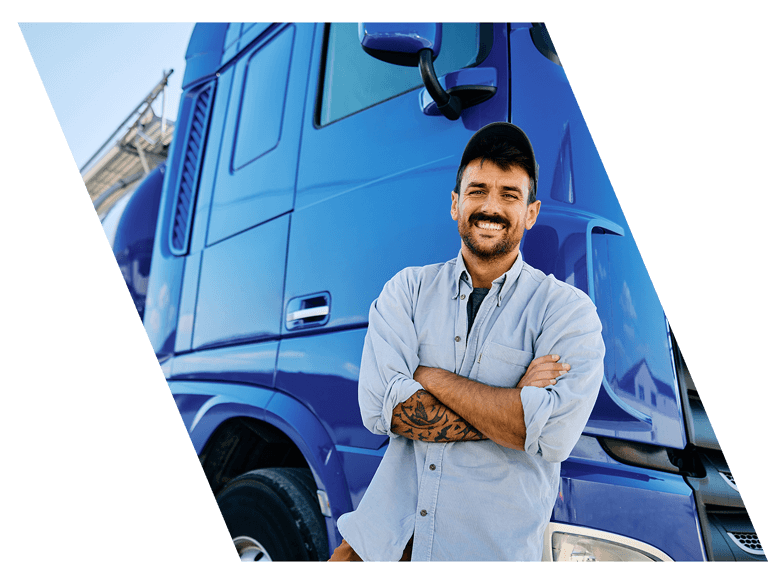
474,302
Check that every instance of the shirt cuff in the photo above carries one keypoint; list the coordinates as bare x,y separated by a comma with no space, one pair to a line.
401,390
537,405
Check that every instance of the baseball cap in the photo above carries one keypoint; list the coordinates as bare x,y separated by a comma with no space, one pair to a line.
501,131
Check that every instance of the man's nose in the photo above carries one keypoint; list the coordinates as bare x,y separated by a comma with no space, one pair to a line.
491,204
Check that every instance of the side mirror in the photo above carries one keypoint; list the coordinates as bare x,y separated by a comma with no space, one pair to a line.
400,43
411,44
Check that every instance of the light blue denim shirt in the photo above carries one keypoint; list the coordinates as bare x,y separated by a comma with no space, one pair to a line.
472,500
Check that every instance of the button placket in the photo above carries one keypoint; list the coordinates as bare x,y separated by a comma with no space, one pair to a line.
427,502
461,323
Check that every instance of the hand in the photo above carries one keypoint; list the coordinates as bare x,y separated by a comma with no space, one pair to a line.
543,371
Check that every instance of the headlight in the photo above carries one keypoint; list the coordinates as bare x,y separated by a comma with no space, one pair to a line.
571,543
567,547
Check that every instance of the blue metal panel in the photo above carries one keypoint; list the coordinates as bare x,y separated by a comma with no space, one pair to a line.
187,308
252,363
360,466
322,372
650,506
259,185
241,286
218,402
189,406
204,52
240,35
260,115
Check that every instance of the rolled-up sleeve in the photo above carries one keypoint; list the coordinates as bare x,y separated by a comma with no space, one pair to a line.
556,415
390,355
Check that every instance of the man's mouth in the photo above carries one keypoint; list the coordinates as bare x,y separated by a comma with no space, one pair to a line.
489,225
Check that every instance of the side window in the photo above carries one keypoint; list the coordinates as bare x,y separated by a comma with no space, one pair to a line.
352,80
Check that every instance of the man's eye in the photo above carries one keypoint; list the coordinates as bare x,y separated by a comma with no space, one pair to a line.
510,196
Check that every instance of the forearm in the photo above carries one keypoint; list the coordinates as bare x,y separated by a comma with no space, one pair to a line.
423,417
495,412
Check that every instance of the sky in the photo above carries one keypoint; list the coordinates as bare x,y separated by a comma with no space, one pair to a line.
95,74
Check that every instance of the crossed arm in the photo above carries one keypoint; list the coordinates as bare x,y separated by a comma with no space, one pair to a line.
423,417
453,408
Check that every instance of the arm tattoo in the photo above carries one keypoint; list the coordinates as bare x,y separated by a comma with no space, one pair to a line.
423,417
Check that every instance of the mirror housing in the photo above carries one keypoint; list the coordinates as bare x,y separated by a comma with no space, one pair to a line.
400,43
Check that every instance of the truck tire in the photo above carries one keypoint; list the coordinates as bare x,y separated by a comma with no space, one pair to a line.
273,514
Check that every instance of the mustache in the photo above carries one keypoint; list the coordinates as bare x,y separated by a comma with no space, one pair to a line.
479,216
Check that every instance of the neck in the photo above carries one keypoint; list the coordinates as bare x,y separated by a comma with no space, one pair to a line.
485,271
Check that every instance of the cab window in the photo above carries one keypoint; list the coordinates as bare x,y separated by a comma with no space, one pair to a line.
353,80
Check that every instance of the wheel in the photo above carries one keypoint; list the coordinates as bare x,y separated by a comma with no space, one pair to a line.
272,514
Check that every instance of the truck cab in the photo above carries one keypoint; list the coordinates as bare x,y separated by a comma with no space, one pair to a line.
304,172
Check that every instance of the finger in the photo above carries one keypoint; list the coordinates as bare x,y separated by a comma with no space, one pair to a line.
537,383
547,377
549,368
546,360
541,380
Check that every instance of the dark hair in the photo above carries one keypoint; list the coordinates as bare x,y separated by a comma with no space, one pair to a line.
505,155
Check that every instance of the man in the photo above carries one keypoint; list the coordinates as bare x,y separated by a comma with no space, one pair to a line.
483,371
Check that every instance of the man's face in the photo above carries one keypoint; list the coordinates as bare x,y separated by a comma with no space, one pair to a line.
492,213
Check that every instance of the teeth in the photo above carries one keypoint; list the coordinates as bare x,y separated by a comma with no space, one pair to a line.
487,225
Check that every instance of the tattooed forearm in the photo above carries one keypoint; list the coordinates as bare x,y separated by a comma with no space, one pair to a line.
423,417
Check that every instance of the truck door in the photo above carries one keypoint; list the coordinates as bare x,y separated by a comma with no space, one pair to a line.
376,173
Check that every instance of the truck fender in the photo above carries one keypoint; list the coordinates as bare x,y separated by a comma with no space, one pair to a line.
280,410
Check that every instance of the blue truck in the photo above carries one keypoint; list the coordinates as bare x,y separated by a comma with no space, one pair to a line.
308,166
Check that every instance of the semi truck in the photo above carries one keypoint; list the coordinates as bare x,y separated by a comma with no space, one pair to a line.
308,166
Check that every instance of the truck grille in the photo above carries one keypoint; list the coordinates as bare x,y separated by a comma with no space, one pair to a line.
729,479
727,531
748,542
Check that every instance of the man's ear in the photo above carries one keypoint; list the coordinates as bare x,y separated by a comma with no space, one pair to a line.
531,214
454,205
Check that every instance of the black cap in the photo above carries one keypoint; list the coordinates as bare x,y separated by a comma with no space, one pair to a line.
501,131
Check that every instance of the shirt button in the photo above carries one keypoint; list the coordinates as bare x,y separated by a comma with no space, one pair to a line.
456,339
432,467
423,512
462,297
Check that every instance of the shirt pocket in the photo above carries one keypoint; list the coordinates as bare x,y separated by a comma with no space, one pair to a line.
502,366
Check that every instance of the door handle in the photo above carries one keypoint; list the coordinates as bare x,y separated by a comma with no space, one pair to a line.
308,311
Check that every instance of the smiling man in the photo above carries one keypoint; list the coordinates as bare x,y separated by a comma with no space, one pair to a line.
483,372
492,211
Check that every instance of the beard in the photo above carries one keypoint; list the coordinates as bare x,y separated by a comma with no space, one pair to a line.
499,248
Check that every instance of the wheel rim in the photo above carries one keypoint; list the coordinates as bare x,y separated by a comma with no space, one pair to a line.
250,550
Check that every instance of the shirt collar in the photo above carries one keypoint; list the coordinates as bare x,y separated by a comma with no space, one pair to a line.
504,281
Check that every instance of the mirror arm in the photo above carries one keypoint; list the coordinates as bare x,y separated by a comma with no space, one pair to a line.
449,105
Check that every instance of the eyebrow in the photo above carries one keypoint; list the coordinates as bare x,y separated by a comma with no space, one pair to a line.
482,185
